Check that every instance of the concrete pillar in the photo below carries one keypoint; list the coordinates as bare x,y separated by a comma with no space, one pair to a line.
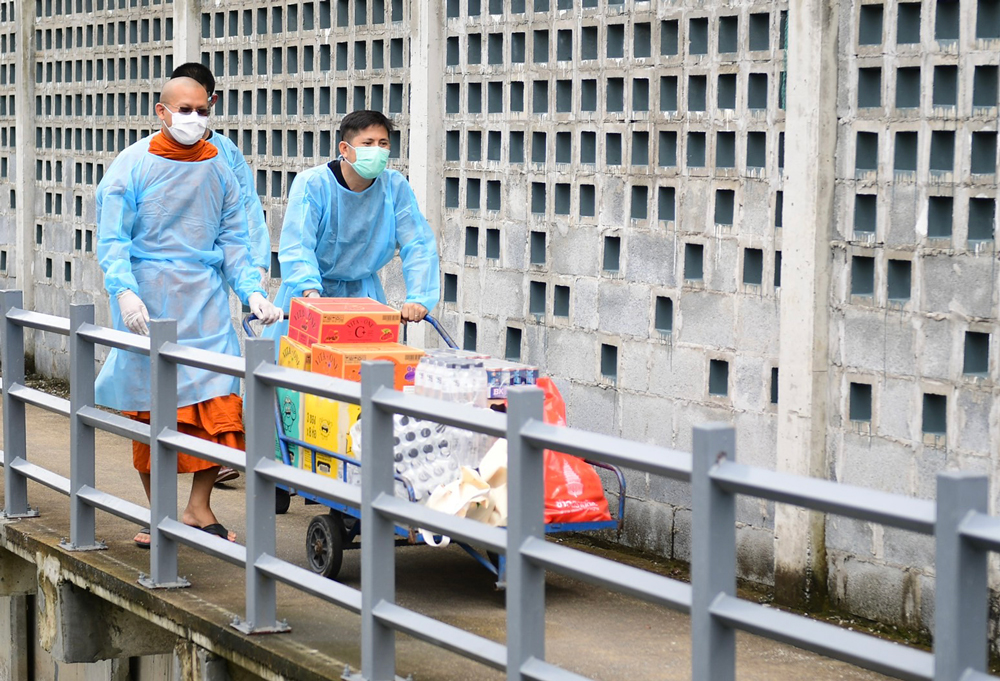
24,160
14,628
187,32
76,626
811,135
426,108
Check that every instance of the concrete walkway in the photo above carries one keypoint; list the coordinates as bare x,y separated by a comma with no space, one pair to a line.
590,631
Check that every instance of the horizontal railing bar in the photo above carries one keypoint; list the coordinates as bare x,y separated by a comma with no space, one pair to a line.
41,475
449,413
540,670
203,449
112,338
115,424
606,449
461,529
916,515
424,628
608,573
213,545
863,650
308,382
39,320
216,362
311,583
306,481
982,530
114,505
40,399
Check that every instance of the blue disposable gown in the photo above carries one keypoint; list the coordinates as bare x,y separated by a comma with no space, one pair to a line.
260,238
336,241
174,233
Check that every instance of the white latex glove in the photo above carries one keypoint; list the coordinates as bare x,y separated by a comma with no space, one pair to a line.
312,293
134,312
265,279
264,309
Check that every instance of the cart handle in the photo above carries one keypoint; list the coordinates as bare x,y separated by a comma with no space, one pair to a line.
445,336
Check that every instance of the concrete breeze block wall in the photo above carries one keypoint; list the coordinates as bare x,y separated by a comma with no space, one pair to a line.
606,178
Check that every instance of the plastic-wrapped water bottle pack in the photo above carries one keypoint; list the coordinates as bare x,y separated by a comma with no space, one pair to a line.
429,454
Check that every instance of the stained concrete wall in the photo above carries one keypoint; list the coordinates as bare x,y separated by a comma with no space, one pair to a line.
607,181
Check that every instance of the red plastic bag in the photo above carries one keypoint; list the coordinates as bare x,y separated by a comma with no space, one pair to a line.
573,490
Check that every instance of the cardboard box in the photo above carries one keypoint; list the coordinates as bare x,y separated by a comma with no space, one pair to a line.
326,426
342,320
290,403
344,361
294,354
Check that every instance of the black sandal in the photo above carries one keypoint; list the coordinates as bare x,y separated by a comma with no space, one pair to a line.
218,529
143,544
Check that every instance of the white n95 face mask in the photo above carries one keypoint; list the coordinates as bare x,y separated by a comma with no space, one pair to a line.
188,128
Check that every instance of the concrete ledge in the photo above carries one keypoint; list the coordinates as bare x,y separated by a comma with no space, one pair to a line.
73,588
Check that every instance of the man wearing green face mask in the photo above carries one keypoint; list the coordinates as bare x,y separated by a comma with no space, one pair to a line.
344,221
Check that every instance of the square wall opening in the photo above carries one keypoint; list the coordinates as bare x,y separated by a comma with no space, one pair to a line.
945,91
935,421
718,377
560,301
865,212
977,354
870,25
898,275
866,152
694,262
753,266
663,315
860,408
862,276
536,298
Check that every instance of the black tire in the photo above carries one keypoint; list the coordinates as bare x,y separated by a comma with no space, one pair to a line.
282,500
325,545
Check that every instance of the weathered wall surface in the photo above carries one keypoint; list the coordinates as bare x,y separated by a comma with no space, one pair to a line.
607,181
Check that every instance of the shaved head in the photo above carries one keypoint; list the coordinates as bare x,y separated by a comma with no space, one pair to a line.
177,91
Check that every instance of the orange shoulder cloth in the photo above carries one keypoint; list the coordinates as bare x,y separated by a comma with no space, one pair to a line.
161,145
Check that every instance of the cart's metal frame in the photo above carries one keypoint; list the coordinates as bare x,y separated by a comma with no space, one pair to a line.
496,564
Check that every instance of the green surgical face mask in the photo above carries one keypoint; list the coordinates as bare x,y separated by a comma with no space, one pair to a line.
369,161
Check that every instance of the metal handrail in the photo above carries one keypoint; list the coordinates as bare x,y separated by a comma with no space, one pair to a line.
958,519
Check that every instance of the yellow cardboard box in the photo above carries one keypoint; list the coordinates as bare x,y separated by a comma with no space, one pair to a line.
326,425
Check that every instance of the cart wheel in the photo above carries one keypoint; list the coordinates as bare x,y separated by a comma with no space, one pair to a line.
282,500
325,546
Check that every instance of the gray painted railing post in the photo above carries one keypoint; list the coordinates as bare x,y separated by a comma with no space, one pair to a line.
163,460
713,554
261,594
81,394
961,593
15,443
525,520
378,566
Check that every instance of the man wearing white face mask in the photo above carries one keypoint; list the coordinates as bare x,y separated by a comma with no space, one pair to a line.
172,231
344,221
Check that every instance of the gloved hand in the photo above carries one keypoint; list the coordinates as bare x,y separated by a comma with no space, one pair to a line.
134,312
311,293
265,280
264,309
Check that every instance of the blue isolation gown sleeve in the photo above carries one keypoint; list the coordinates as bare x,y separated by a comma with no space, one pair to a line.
260,238
116,214
417,249
308,203
237,268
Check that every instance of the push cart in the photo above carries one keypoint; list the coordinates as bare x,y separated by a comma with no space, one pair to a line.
339,530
